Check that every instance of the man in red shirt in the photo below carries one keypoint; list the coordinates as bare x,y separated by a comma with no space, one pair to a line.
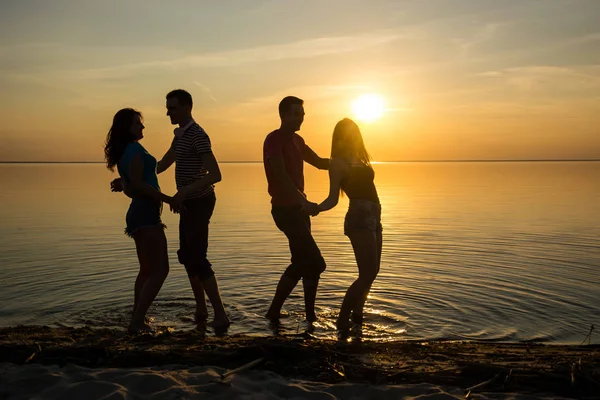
284,153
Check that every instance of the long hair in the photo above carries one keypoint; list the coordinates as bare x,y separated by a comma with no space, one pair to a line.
347,143
119,136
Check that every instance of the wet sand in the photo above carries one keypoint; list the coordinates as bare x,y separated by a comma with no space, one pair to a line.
57,361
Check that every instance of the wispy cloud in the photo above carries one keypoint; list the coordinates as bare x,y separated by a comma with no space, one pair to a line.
296,50
319,100
206,91
481,35
308,92
531,78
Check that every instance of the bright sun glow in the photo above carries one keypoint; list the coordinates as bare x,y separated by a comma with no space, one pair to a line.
368,107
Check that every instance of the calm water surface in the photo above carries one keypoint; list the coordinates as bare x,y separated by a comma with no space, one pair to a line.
486,251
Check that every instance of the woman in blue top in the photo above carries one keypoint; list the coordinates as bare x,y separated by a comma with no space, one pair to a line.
138,169
351,172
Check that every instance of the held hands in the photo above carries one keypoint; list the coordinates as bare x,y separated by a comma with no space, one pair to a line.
176,202
311,208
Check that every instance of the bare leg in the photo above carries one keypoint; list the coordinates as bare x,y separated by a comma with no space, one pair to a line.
364,243
310,296
357,313
142,275
153,244
198,289
212,291
304,252
284,288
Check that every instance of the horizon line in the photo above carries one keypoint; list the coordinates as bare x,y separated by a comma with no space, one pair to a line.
394,161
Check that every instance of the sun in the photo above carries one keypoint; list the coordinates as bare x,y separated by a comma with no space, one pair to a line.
368,107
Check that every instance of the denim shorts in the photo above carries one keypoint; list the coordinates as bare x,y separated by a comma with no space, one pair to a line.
363,215
143,212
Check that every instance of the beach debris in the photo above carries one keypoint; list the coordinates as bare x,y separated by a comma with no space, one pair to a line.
507,379
35,353
480,385
241,369
340,371
547,369
588,336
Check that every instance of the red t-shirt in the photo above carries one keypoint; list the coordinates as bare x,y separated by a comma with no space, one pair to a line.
290,147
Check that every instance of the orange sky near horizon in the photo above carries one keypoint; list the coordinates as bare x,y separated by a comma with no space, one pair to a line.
491,80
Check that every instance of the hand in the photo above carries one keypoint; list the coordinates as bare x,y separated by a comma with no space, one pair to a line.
176,202
311,209
116,185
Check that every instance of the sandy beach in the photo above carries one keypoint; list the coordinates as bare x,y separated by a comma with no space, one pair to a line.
60,363
178,382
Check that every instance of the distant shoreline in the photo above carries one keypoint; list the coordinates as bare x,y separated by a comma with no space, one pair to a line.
376,162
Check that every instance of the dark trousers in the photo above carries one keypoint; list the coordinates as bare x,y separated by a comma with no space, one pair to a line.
193,236
307,261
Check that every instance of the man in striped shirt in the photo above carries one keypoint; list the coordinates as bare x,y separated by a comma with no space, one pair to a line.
196,172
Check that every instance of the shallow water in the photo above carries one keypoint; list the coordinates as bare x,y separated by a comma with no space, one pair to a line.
486,251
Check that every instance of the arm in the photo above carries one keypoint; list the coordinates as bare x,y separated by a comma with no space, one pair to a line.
138,185
119,185
313,159
336,173
167,160
213,176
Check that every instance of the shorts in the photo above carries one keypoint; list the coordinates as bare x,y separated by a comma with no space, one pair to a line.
143,212
363,215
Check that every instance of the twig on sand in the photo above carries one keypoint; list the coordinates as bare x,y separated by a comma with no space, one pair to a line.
30,357
340,371
507,379
589,336
242,368
35,353
480,385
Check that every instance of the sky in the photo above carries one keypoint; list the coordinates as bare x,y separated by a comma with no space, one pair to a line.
460,79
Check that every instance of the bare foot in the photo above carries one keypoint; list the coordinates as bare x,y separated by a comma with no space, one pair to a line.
200,316
220,323
139,328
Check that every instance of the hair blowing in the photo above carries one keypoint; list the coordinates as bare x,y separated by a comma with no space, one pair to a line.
119,136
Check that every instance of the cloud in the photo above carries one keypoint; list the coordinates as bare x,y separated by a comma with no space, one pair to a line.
480,36
531,78
296,50
206,91
311,93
